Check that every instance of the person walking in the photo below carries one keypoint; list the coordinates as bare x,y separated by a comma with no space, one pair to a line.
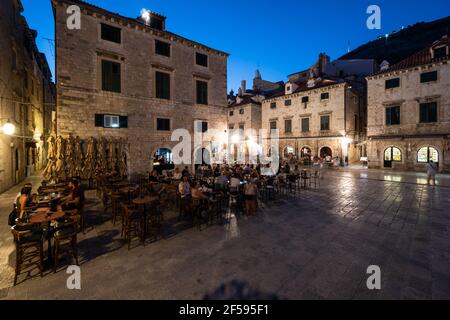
431,172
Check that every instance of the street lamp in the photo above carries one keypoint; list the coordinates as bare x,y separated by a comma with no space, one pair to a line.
345,141
9,128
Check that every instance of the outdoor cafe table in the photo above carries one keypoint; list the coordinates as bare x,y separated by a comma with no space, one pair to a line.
44,215
128,191
144,201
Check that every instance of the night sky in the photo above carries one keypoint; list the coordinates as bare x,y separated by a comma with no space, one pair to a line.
279,37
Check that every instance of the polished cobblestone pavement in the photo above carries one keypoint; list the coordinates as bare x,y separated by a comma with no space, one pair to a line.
314,245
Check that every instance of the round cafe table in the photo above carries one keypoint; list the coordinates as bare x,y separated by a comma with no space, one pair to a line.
144,201
44,215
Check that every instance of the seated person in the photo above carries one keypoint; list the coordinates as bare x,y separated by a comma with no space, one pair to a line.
196,192
24,201
235,184
75,199
177,174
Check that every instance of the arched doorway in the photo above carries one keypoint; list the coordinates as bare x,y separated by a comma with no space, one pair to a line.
427,154
288,151
392,154
305,152
163,160
326,152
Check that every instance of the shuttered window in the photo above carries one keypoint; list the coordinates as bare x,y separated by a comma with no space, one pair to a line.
428,112
162,85
111,76
202,92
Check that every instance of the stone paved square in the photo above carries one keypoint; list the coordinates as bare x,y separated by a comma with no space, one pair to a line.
313,245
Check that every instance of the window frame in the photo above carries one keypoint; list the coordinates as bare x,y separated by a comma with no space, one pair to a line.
285,126
158,119
270,125
390,116
396,80
110,87
288,102
329,122
324,96
199,54
424,79
424,104
111,27
301,125
391,148
163,54
160,92
273,105
202,99
428,154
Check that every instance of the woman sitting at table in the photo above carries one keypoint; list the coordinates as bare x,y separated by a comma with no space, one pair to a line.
24,201
177,174
76,197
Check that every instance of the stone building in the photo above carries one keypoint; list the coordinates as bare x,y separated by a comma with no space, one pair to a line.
26,96
131,78
409,111
318,114
245,113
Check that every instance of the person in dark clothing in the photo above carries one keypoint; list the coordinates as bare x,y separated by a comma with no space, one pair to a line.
76,198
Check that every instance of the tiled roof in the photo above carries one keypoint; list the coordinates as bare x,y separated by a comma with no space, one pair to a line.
246,99
303,87
418,59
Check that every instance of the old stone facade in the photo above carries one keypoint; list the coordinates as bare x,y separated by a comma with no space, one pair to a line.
316,118
26,97
157,91
409,111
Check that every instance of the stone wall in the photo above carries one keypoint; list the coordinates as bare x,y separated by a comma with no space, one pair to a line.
342,120
80,96
410,135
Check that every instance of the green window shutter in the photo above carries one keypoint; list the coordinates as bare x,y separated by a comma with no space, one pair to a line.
99,120
123,122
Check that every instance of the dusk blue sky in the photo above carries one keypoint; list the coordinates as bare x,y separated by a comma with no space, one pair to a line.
281,37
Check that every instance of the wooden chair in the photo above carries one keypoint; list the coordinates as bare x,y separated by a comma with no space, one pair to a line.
132,226
29,246
116,199
65,239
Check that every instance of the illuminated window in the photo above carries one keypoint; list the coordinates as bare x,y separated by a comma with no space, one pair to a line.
427,154
393,154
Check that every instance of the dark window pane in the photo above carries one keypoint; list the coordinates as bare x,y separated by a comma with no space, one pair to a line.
273,105
162,85
123,121
428,112
241,111
273,125
325,123
201,59
440,53
231,113
288,126
305,99
392,116
287,102
162,124
111,33
428,76
99,120
162,48
324,96
204,126
305,125
392,83
202,92
111,76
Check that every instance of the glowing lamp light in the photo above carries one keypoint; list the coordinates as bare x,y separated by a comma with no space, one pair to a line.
235,138
37,136
9,128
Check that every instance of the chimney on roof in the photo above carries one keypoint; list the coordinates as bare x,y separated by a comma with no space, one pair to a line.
243,86
324,60
384,65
